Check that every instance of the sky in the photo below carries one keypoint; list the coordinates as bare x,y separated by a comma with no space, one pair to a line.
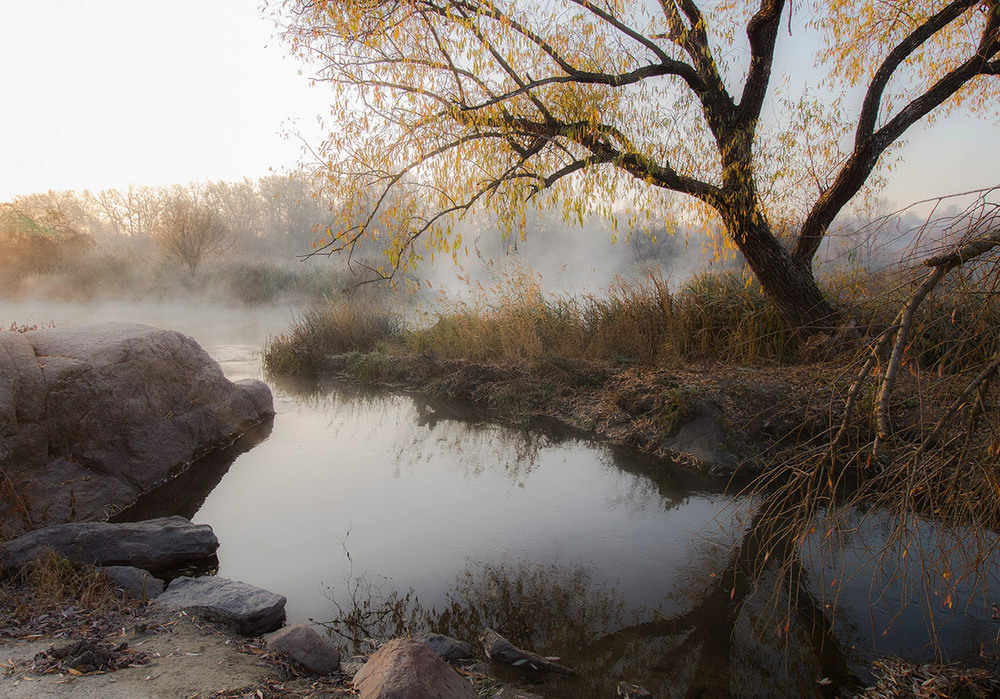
103,93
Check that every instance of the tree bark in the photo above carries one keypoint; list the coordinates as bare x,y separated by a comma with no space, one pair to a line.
789,284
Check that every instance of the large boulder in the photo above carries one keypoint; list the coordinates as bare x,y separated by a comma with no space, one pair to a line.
407,669
247,609
108,411
154,545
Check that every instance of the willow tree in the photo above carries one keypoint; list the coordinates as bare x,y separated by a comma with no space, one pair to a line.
443,107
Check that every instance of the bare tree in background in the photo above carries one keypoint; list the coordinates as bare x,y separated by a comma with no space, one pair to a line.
188,232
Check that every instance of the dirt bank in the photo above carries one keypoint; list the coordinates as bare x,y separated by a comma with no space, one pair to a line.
758,409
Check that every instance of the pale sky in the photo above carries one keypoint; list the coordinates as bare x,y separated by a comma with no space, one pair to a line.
101,93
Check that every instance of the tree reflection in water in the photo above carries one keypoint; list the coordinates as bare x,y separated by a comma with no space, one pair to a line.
720,647
748,617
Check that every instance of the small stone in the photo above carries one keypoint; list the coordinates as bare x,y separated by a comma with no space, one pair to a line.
408,669
500,650
446,647
137,582
306,647
249,610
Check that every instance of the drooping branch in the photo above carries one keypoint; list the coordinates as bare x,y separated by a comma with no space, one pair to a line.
960,401
873,98
902,337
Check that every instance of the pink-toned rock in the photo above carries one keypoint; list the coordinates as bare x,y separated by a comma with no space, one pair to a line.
408,669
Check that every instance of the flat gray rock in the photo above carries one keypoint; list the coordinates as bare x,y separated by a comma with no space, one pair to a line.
500,650
306,647
126,405
137,582
155,544
248,610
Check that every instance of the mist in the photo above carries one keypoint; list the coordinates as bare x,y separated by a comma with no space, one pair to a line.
240,245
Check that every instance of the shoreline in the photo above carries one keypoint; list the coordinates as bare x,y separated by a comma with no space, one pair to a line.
750,413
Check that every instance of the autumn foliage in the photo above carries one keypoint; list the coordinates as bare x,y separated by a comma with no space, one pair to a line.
444,109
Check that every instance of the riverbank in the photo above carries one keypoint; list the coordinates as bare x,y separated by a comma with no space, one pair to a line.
98,643
722,419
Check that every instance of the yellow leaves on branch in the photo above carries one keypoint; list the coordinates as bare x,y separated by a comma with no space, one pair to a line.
860,34
449,107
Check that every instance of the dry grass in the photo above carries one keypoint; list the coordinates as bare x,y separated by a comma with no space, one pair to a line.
711,316
334,327
55,597
901,680
51,582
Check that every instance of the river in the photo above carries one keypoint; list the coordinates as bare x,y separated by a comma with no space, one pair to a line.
380,512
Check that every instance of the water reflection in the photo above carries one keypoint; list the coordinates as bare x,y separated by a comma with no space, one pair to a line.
185,494
424,428
625,567
573,613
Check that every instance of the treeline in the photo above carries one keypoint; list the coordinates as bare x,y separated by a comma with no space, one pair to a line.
143,241
271,215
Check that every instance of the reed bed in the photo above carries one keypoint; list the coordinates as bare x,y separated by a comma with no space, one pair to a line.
711,317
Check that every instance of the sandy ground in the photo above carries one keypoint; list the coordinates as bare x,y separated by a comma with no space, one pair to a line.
192,659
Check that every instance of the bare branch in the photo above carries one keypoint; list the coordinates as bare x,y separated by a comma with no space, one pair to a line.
859,165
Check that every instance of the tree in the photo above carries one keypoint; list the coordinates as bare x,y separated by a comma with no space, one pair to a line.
188,231
131,212
38,234
443,106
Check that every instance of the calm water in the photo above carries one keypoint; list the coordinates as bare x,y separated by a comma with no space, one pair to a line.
400,513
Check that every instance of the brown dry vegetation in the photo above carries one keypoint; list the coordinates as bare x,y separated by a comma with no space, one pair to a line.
627,365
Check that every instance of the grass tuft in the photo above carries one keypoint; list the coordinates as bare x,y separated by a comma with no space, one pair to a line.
335,327
52,582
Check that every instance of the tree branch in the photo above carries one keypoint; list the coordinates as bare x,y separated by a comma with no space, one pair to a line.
919,36
762,31
862,161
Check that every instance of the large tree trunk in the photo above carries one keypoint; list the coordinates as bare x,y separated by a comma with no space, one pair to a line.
790,285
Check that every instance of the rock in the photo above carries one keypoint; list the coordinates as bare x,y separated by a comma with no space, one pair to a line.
22,400
447,648
137,582
248,610
306,647
156,544
120,405
407,669
512,692
703,437
501,650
